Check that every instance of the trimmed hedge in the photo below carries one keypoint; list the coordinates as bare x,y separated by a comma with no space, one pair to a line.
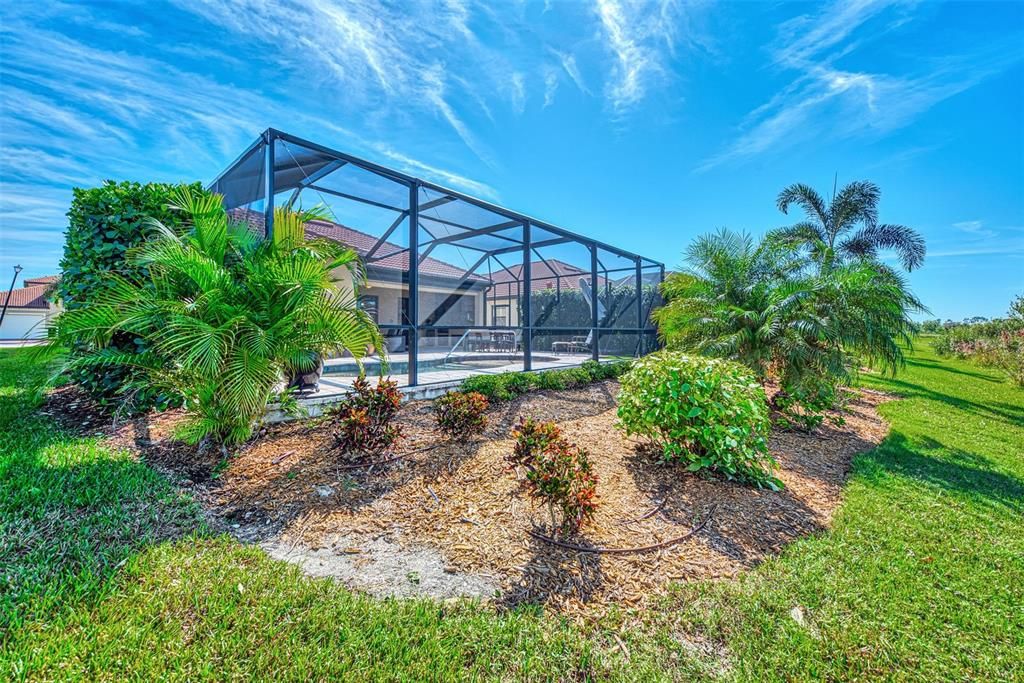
103,224
508,385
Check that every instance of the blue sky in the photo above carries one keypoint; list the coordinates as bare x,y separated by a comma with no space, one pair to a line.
640,123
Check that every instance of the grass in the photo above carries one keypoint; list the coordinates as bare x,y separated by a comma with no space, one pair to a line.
108,573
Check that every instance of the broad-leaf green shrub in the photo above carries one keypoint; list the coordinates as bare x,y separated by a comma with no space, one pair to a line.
706,413
508,385
104,224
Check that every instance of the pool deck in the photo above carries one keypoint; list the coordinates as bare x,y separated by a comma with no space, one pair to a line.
434,381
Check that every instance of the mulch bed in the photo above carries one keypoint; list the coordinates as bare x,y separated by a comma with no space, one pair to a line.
461,499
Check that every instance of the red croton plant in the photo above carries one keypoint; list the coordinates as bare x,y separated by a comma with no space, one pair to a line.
364,418
557,472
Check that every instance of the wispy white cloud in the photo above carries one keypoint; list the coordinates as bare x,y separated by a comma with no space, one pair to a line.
976,228
518,92
568,62
642,36
388,60
550,86
438,175
75,114
824,99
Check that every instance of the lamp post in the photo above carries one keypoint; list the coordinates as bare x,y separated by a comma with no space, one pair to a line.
17,270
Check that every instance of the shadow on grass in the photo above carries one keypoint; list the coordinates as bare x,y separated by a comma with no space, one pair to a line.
994,377
1011,414
960,472
72,513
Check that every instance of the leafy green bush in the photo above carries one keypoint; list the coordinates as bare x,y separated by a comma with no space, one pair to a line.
508,385
803,405
460,414
494,387
364,418
709,414
104,224
557,472
226,317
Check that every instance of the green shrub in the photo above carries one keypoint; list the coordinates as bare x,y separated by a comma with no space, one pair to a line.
494,387
364,418
803,405
552,380
104,223
508,385
461,414
557,472
709,414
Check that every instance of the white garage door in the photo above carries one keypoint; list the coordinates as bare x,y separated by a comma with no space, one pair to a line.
23,325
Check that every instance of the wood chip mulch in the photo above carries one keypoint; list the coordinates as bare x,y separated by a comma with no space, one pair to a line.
462,500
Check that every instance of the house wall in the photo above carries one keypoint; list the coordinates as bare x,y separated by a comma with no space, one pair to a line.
389,298
27,323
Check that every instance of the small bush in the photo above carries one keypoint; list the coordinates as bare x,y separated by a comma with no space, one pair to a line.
557,472
603,371
508,385
364,418
461,414
498,387
709,414
804,405
552,380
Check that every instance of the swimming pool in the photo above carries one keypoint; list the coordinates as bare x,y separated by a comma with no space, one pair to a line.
347,367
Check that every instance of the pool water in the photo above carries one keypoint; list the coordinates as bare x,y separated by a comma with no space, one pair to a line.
346,367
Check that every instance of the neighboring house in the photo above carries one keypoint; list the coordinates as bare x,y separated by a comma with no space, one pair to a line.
30,310
550,274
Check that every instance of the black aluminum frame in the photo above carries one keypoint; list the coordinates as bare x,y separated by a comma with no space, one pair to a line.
528,246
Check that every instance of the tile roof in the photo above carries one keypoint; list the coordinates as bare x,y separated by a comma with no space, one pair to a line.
44,280
28,297
389,256
542,276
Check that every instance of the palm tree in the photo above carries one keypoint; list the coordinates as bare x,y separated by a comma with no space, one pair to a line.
747,301
760,304
847,228
225,315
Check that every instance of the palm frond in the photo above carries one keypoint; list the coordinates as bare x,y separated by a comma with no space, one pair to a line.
908,244
806,198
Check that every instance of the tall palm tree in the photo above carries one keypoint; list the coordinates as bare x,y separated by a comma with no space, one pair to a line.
846,228
226,316
760,304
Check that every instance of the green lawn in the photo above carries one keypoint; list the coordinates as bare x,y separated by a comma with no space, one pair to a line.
107,572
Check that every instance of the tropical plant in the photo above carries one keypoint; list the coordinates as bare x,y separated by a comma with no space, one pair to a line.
846,228
708,414
225,316
460,414
739,299
764,304
365,418
558,472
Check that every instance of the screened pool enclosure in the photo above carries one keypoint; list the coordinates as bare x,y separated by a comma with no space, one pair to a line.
458,286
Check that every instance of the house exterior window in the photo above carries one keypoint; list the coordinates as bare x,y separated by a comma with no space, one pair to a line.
370,304
501,315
